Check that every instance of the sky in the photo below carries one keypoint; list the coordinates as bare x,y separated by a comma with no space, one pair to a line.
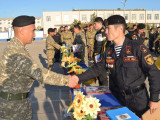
13,8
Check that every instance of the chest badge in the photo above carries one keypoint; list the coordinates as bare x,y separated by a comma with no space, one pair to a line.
110,62
128,49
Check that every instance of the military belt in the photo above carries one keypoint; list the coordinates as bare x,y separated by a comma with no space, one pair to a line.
12,97
133,90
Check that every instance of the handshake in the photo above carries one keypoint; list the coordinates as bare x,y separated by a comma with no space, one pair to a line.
73,81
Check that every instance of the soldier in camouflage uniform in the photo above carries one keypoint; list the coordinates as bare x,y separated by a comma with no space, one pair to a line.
51,46
18,72
61,30
81,40
67,36
90,35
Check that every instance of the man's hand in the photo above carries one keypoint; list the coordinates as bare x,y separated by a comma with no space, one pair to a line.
73,81
153,106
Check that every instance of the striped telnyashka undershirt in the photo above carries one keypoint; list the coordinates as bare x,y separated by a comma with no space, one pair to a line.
118,50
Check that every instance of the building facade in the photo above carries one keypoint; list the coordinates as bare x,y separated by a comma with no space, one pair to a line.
56,19
6,23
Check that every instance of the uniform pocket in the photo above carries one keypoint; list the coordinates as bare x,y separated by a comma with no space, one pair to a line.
130,72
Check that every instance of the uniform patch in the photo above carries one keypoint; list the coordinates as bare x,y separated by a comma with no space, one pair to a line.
149,59
143,49
128,49
130,59
102,30
134,37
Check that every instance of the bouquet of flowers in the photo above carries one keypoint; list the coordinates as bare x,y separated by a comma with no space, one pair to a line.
85,108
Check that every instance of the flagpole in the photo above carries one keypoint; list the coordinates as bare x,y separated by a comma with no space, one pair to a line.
124,5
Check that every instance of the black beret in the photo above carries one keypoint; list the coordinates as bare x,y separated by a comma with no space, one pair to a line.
23,20
115,19
141,26
98,19
66,26
134,25
50,30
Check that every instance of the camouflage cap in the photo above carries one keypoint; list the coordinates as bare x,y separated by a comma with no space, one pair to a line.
23,20
141,26
115,19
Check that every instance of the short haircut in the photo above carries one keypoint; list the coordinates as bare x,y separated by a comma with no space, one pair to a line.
50,30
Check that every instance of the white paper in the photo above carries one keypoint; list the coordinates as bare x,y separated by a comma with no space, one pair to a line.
99,37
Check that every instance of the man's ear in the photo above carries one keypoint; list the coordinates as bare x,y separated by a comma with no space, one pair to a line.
21,30
121,28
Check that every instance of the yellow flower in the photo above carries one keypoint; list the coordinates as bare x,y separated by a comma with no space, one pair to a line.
91,106
78,100
79,114
77,103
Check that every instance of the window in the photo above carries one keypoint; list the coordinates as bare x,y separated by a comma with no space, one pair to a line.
148,16
66,18
156,16
133,16
141,17
48,18
58,18
126,16
84,18
75,17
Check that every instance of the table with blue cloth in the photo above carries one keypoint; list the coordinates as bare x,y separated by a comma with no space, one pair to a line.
106,99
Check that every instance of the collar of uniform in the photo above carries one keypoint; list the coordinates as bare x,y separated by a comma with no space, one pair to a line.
100,29
18,42
126,40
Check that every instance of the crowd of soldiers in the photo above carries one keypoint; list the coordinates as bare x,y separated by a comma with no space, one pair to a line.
149,38
77,35
95,40
123,56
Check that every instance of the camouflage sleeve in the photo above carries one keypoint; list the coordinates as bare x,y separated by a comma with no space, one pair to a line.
87,37
62,37
72,37
53,78
47,77
54,44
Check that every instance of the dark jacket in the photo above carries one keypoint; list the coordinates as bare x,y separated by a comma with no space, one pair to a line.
133,35
132,67
100,39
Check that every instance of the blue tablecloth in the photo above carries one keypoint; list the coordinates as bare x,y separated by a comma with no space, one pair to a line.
106,100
